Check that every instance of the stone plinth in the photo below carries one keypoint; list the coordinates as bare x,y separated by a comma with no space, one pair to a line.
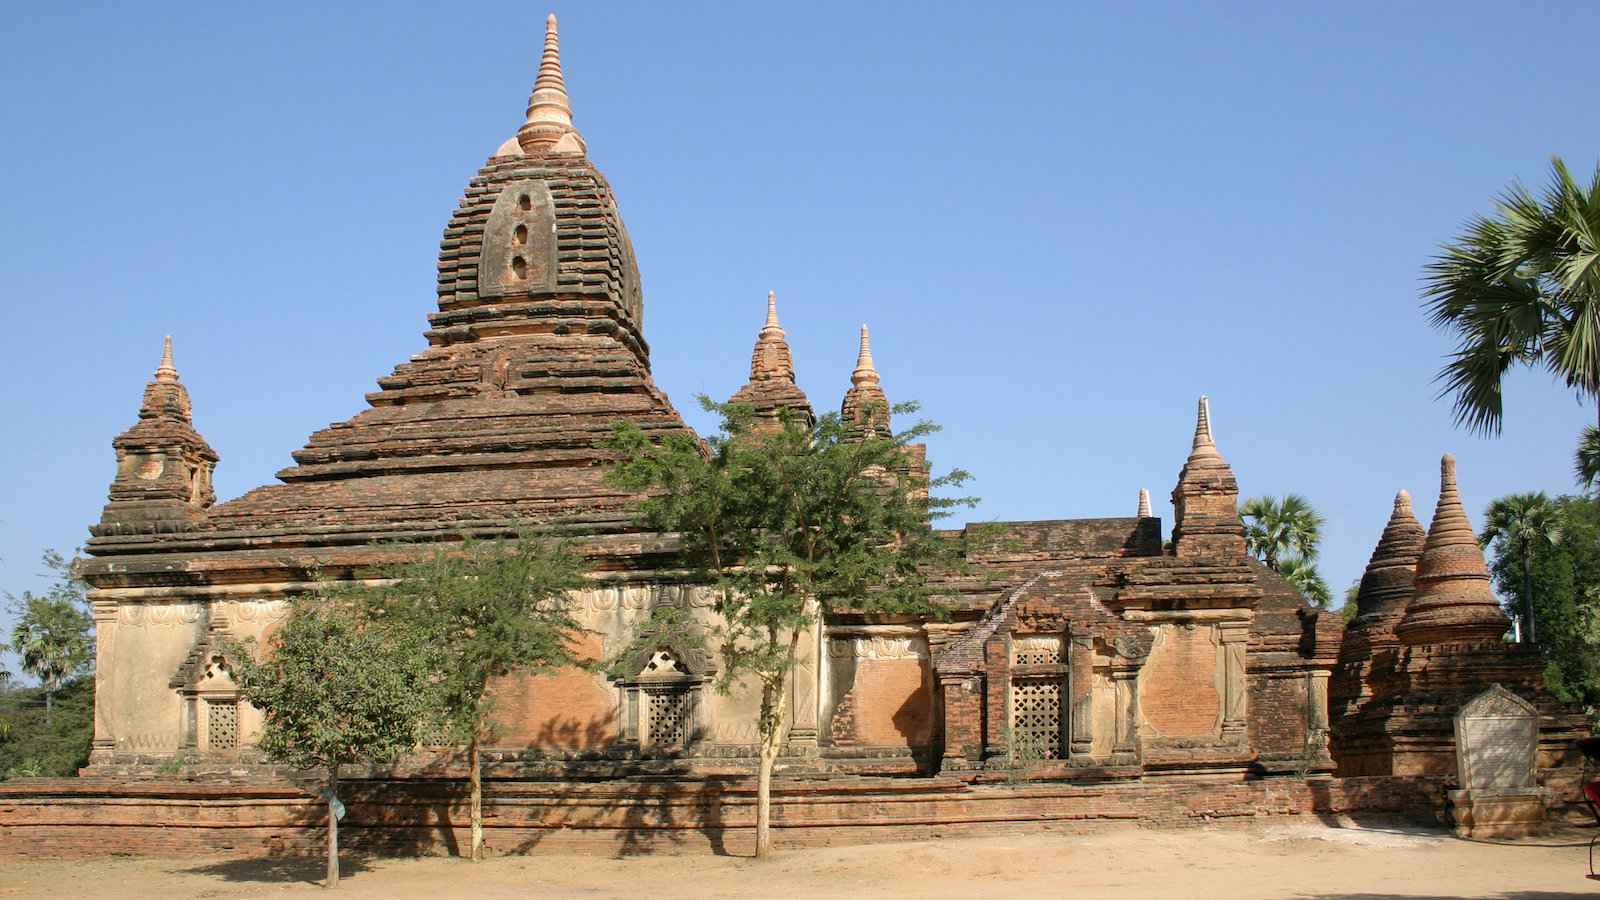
1497,743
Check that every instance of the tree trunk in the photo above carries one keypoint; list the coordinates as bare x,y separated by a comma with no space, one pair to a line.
475,778
1532,636
771,743
49,702
333,829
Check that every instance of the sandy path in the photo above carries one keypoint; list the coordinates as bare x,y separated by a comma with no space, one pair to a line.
1303,860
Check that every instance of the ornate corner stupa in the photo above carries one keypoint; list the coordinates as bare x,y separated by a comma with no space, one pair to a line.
771,389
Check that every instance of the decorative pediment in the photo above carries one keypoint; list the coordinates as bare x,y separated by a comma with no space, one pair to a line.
208,665
1497,703
666,661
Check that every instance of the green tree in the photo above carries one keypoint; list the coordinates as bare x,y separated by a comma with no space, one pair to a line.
484,610
335,690
786,526
53,633
1562,583
1303,574
1284,534
30,746
1522,526
1520,288
1586,460
1275,529
1351,608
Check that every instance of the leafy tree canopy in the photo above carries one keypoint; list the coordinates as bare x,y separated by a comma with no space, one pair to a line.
335,689
785,524
1562,580
53,633
1285,535
1521,288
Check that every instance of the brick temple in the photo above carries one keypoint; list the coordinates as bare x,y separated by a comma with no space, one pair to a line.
1105,655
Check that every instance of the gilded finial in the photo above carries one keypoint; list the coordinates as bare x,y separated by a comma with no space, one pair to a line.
166,373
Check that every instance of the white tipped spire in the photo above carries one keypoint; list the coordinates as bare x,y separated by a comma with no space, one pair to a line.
1144,504
166,373
1402,502
866,371
548,128
1204,446
772,315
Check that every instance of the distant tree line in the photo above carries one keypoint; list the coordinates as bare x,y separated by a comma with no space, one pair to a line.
46,730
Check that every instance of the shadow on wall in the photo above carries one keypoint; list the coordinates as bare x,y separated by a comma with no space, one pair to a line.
647,817
914,717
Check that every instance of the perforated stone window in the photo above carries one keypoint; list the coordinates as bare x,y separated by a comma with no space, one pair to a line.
1036,717
222,724
666,716
661,709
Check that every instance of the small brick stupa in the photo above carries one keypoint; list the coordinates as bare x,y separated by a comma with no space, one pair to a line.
164,466
1381,602
1399,691
865,405
772,389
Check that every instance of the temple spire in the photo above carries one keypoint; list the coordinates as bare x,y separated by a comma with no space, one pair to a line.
1204,446
772,326
866,372
1453,601
548,129
772,387
1205,502
166,372
865,405
1388,581
1144,503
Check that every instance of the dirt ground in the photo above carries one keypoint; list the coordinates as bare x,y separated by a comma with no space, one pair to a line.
1300,860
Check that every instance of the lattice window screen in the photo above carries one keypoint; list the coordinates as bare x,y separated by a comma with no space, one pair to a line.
1036,717
222,724
666,716
1036,652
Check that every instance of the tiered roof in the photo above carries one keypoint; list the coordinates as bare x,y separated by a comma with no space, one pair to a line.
536,351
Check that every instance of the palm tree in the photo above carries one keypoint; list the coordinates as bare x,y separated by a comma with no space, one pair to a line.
1586,461
1274,529
52,637
1303,574
1522,524
52,631
1521,288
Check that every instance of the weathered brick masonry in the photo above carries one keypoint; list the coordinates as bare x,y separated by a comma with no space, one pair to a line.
1150,678
92,817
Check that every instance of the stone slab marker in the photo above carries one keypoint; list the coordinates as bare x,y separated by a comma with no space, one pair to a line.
1497,740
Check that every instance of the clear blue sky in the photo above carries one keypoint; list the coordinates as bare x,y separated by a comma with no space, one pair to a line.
1062,223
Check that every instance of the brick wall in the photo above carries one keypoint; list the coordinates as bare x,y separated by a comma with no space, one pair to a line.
86,817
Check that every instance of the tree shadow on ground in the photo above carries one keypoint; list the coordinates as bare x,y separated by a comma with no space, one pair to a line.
282,869
1507,895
